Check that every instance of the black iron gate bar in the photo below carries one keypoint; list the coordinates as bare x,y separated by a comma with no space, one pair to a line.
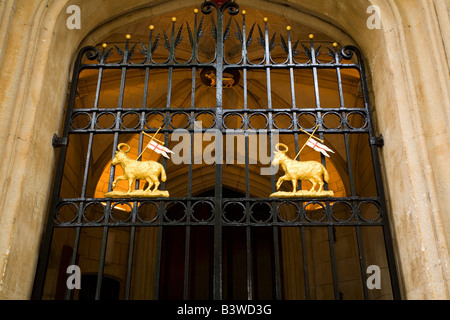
218,219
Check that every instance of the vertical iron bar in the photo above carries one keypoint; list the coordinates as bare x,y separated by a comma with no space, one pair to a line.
291,70
136,203
362,262
86,171
350,175
112,173
267,64
296,125
166,124
248,245
277,264
158,254
189,191
81,207
341,93
244,61
322,157
186,257
130,257
333,262
275,231
305,260
331,236
315,77
249,262
107,211
218,197
102,261
248,227
73,259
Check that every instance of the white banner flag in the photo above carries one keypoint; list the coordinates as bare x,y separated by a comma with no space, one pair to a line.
319,147
153,145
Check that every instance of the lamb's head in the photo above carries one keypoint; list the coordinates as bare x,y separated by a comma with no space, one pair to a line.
121,154
280,154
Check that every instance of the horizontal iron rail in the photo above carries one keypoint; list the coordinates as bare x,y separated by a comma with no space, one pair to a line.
280,131
229,66
251,199
224,224
211,110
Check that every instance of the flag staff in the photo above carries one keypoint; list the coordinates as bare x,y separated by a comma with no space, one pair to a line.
314,137
152,138
310,136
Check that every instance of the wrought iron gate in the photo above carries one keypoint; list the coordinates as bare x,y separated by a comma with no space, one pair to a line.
233,222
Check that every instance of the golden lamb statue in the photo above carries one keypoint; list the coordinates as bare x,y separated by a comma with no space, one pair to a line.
149,171
311,171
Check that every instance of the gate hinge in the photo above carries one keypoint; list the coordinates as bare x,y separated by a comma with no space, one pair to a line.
58,142
378,141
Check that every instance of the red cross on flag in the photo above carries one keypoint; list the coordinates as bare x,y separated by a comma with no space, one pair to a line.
158,148
219,2
319,147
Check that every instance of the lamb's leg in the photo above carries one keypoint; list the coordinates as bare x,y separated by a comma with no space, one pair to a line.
130,184
320,185
119,178
294,185
280,181
150,183
156,181
314,183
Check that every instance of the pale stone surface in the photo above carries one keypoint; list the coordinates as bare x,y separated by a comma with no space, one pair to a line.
408,70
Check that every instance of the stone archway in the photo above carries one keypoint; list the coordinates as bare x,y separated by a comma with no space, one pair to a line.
408,106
